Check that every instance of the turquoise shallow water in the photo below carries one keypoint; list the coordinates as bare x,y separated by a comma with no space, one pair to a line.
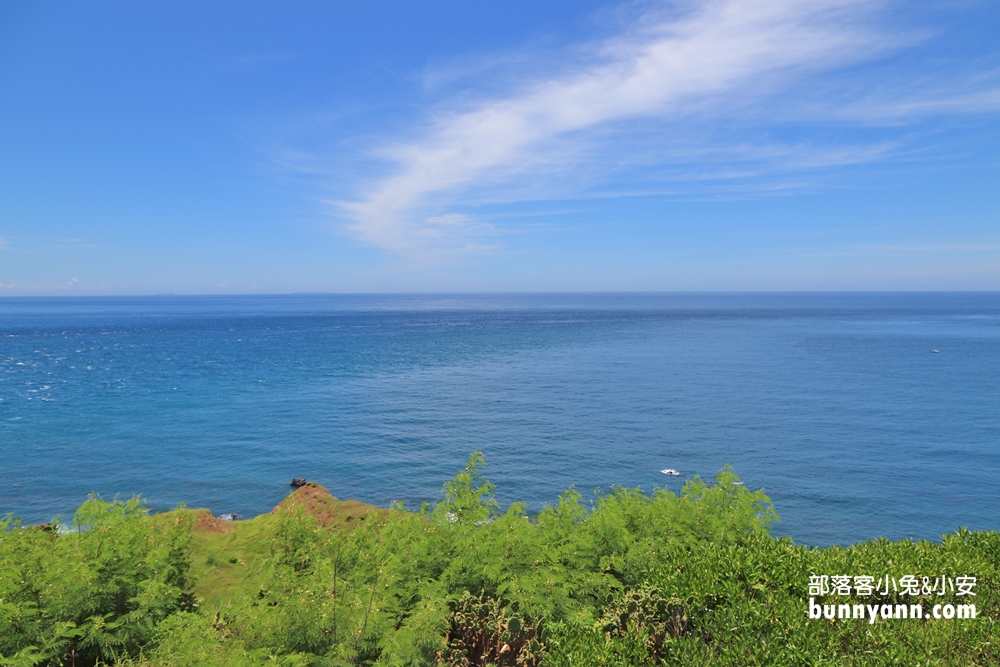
832,402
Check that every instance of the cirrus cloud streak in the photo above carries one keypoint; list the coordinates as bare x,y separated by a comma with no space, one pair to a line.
672,67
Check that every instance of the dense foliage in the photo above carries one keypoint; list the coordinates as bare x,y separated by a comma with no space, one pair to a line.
621,579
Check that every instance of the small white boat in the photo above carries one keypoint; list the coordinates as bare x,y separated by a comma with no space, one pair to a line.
671,472
934,352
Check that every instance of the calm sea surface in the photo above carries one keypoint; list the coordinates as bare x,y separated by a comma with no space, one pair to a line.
834,403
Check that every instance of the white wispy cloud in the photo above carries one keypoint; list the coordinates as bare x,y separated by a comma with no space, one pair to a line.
923,103
71,285
638,91
4,243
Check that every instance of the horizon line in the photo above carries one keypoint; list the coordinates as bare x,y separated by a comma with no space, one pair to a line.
498,293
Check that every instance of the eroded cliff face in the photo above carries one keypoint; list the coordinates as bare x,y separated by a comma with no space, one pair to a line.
327,509
212,524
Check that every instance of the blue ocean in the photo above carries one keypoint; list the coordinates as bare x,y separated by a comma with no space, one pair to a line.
861,415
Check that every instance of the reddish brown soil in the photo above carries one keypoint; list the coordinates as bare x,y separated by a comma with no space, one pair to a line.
212,524
328,510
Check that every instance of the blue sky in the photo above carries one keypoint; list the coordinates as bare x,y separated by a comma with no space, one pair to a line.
349,146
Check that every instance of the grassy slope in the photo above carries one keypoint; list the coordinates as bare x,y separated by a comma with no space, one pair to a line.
227,556
627,580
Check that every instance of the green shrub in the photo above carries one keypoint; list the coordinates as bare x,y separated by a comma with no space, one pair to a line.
95,593
626,578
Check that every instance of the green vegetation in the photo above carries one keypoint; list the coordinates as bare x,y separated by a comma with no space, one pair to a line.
622,579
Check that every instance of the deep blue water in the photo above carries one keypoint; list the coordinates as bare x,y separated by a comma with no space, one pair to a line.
833,402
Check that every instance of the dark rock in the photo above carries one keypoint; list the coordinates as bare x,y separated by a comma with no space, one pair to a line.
297,482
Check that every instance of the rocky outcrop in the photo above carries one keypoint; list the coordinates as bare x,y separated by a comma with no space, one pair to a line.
329,511
212,524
